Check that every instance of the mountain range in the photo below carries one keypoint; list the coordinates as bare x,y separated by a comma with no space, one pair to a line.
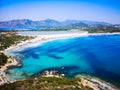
26,24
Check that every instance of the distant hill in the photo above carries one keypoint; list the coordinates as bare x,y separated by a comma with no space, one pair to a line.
68,22
26,24
78,25
18,24
49,23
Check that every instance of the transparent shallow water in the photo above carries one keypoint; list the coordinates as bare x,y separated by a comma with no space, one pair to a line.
94,55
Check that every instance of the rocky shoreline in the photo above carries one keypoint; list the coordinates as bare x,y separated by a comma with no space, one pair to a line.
95,83
12,62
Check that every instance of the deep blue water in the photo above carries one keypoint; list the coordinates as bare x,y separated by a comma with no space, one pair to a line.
94,55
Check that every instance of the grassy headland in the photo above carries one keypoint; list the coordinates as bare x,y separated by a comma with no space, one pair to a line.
56,81
46,83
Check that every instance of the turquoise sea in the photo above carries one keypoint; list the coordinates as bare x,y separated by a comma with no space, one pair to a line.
96,55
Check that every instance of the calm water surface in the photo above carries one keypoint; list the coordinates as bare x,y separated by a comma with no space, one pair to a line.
94,55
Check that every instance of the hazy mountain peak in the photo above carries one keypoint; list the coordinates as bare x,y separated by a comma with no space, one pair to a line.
47,23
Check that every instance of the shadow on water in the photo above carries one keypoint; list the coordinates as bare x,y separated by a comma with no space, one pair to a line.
89,51
108,76
55,56
60,70
100,71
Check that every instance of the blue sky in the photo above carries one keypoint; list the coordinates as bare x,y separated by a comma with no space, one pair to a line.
95,10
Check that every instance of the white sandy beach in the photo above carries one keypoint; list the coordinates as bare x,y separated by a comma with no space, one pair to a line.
48,37
40,39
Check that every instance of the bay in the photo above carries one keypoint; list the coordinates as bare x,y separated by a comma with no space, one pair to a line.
96,55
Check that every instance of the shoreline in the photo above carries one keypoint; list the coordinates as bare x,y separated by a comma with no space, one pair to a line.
96,83
11,62
39,39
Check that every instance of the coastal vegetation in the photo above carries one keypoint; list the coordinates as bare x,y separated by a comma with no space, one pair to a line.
11,38
8,38
3,59
102,29
46,83
84,27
